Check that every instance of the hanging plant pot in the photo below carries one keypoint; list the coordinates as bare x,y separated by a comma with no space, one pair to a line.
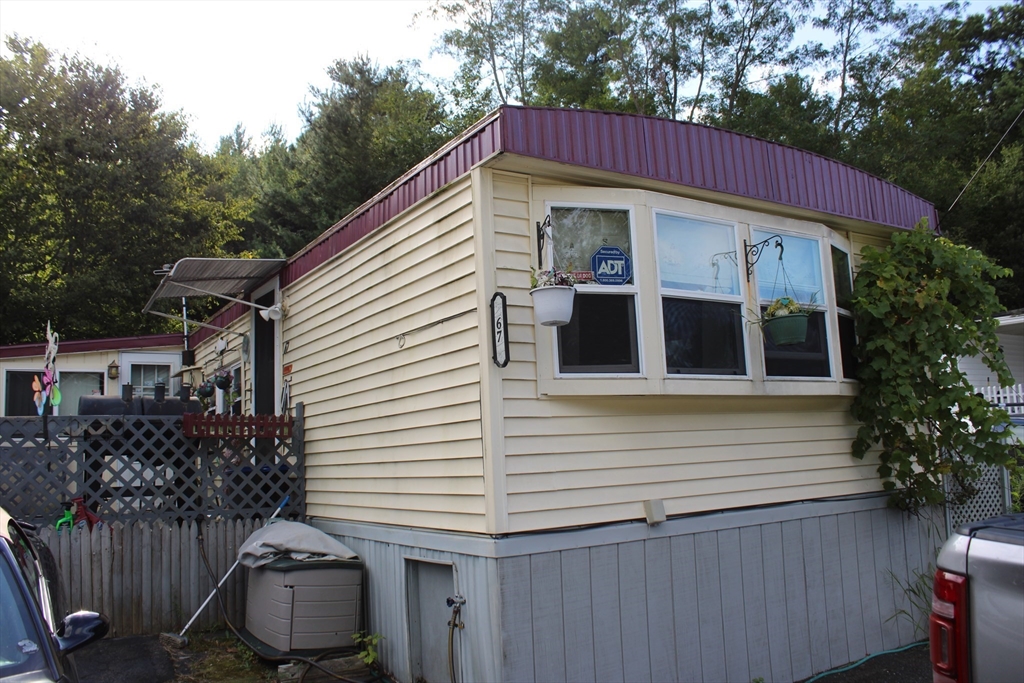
552,306
205,390
222,382
786,330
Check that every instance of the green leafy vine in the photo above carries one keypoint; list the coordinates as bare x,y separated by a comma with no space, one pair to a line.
919,305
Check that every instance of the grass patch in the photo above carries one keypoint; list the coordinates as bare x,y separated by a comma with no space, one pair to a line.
220,657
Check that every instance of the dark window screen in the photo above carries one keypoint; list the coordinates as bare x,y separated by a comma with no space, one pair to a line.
18,396
809,359
601,336
263,365
847,342
703,337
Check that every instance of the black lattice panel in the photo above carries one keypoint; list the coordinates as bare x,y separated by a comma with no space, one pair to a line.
144,468
38,470
249,475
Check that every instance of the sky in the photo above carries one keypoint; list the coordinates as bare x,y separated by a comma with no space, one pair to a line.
227,62
224,62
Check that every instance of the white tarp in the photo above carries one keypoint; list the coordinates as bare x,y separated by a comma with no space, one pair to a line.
291,539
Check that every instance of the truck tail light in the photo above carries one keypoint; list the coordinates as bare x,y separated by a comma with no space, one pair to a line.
948,629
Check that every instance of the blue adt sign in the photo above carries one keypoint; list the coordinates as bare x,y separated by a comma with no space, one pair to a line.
611,266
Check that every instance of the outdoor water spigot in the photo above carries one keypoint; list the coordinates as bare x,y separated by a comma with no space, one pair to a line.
457,600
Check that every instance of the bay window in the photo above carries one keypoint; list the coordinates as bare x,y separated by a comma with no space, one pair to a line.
665,304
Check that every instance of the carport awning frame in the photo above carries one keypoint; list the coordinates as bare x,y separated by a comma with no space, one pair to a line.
225,278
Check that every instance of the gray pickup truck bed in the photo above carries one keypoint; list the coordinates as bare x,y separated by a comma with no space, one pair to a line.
990,554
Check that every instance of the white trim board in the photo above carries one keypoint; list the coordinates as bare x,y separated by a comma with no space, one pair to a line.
558,540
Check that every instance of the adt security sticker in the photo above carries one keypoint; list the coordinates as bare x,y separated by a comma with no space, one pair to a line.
611,266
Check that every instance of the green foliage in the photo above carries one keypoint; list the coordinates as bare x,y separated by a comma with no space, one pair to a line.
917,595
368,642
97,189
368,128
1017,482
919,305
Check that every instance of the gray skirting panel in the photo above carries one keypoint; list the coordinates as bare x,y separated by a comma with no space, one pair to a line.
778,593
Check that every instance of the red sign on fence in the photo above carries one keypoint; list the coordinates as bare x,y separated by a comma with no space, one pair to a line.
246,426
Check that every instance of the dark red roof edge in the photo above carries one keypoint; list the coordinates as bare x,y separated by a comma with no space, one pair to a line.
85,345
678,152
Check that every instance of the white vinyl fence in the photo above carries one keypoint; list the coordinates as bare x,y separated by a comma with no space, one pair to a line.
149,577
1010,398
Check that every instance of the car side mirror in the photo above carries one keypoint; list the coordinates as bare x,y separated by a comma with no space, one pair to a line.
79,629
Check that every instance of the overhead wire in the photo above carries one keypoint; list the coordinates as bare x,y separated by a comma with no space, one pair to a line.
986,160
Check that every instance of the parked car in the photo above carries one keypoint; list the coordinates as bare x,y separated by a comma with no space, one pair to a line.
977,621
36,639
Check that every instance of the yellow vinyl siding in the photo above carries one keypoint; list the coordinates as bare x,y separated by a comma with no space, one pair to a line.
392,401
581,460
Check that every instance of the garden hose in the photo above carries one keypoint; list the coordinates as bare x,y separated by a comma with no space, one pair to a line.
858,663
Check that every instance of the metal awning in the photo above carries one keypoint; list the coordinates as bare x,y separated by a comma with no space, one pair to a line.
221,277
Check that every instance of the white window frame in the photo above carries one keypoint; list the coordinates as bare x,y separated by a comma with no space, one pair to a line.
842,243
633,289
663,292
126,360
825,303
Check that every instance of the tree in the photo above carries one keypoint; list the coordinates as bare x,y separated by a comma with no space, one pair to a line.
958,93
368,128
919,305
499,38
758,33
577,70
98,188
789,112
850,20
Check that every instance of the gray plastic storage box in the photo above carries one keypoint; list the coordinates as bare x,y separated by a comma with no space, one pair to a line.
294,606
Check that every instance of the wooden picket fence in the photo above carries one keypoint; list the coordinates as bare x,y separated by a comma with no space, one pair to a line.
149,577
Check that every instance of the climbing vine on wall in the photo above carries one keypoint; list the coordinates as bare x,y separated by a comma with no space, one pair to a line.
919,305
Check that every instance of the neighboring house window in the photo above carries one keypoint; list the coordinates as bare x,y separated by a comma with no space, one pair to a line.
18,394
74,385
701,300
146,376
842,274
601,337
797,274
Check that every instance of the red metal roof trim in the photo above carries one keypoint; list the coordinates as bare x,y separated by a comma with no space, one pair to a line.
450,163
86,345
709,158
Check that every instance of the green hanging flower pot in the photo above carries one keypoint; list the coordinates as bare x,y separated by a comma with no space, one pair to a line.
786,329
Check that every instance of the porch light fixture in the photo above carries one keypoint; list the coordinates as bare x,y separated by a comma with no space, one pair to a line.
113,370
275,312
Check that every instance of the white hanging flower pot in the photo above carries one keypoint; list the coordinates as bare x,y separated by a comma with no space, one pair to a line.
552,306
